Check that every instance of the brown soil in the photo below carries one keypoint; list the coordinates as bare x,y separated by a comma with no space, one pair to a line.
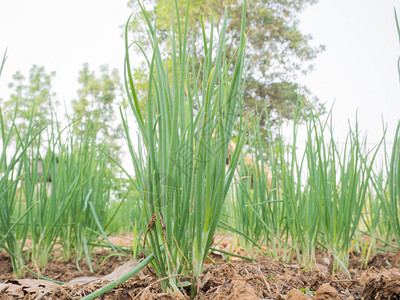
238,279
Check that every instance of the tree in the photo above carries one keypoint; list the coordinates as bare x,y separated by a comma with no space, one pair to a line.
277,51
32,99
94,112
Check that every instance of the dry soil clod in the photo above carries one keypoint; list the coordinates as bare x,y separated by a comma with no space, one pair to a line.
326,292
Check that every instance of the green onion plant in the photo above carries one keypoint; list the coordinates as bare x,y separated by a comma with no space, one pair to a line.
13,215
391,198
185,132
317,198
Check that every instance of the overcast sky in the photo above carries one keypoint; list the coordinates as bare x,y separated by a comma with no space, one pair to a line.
358,70
61,36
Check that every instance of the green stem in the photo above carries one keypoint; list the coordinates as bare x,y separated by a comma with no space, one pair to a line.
120,280
42,277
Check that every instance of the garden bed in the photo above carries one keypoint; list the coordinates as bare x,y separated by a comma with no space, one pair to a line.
234,279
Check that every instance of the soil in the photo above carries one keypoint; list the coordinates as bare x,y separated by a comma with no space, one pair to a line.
236,279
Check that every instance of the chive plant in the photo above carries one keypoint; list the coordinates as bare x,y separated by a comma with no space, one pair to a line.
317,198
393,205
374,224
241,210
293,226
13,221
70,210
391,200
35,190
63,209
299,213
13,229
339,182
185,132
255,207
83,190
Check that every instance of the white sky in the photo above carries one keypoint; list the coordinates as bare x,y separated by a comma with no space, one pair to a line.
358,70
61,36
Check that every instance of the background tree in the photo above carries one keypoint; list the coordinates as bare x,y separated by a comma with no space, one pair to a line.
277,51
94,110
30,98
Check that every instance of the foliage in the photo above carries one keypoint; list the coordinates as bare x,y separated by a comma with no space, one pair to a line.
30,97
392,204
94,110
72,208
317,197
278,51
13,236
398,32
179,165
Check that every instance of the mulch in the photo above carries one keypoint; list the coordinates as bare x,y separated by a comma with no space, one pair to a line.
236,279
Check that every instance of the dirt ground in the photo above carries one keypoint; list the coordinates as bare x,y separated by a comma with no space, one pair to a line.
237,279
